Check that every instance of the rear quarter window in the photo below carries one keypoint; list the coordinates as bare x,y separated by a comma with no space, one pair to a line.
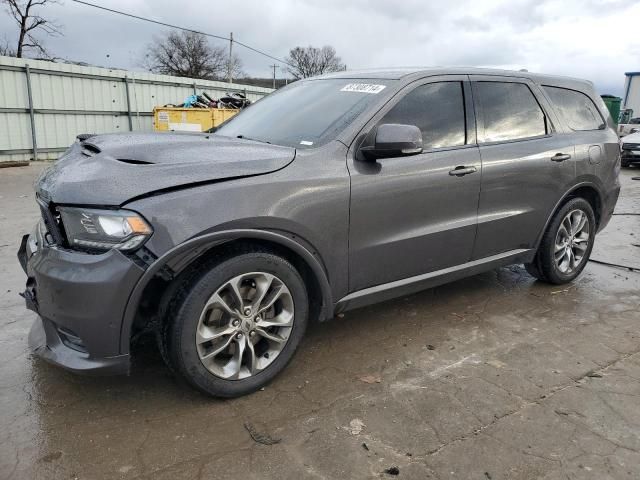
577,109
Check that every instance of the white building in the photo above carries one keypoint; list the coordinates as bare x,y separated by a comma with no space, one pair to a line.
631,96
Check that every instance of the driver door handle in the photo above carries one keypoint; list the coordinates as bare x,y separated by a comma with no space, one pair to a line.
560,157
461,171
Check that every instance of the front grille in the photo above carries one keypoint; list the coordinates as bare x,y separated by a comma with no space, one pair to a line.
51,222
631,146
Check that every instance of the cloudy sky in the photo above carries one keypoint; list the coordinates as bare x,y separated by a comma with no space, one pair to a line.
593,39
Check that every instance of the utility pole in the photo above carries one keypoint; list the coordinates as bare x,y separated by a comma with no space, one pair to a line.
285,73
230,65
274,66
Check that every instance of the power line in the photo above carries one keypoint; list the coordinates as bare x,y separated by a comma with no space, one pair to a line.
157,22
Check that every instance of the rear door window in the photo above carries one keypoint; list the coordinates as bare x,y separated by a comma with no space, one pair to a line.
437,109
578,110
508,111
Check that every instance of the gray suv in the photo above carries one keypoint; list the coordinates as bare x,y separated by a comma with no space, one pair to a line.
330,194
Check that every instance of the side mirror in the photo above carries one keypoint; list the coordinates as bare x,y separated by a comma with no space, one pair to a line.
394,140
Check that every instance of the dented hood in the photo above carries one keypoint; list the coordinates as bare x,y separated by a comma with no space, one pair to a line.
113,169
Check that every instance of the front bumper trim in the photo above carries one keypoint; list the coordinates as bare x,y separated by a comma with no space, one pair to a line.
45,343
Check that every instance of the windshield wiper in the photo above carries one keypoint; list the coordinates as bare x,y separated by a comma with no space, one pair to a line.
253,139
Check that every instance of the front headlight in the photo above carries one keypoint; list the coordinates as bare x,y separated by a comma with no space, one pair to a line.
103,230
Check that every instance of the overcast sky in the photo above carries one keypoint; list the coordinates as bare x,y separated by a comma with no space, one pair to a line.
593,39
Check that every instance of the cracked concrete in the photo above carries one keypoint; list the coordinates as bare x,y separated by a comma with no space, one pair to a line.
491,377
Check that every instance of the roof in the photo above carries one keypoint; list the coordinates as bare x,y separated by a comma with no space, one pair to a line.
409,73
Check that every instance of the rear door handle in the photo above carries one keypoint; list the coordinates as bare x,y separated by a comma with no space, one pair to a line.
560,157
461,171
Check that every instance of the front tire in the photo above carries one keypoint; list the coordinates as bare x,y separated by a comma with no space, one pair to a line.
566,244
236,325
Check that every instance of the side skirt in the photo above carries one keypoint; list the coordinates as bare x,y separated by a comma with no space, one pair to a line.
407,286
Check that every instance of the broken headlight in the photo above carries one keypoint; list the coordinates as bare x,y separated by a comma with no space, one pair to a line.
102,230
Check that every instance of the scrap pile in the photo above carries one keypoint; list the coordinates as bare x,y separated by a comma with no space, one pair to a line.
236,101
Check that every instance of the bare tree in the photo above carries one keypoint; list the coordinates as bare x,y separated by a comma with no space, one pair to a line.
189,54
30,23
6,50
236,67
310,61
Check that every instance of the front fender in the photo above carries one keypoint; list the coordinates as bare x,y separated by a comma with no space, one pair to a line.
204,242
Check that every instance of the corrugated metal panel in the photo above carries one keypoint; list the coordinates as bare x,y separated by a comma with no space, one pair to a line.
95,100
56,130
75,93
13,90
15,131
633,94
108,72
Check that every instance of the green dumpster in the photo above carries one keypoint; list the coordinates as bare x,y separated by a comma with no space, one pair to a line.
613,104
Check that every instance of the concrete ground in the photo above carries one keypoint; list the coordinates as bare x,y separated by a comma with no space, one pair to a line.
492,377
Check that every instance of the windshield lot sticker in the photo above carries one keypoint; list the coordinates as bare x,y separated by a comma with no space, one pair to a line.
363,88
306,142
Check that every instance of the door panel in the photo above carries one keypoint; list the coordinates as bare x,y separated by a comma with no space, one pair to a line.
520,187
522,179
410,216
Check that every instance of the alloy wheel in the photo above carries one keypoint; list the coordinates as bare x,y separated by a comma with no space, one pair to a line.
572,241
245,325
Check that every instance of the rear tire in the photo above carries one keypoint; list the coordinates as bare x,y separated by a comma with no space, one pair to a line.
533,270
223,337
566,244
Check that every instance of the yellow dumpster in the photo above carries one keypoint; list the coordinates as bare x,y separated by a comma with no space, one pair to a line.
176,119
220,115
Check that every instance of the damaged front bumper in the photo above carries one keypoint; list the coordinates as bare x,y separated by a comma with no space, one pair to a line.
80,299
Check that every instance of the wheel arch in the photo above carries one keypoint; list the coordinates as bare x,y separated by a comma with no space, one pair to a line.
180,258
587,190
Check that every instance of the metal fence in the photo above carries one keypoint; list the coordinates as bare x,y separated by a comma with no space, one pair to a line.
44,105
632,92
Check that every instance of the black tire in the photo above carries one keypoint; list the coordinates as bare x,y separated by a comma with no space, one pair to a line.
534,271
544,266
180,330
625,164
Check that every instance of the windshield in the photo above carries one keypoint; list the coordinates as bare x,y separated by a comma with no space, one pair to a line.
305,114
